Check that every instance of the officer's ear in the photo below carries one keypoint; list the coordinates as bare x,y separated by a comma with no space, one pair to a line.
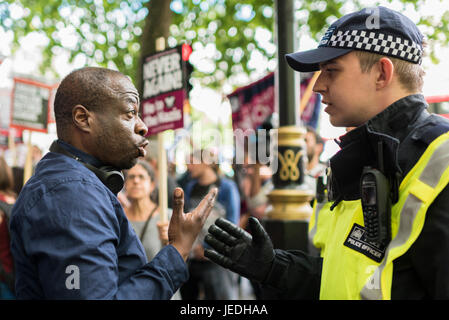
82,118
384,69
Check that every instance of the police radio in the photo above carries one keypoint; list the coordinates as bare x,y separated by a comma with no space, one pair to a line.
376,204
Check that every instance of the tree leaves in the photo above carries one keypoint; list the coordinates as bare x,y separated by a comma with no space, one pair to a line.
108,33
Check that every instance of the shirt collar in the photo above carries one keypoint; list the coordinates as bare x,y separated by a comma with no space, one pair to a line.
85,157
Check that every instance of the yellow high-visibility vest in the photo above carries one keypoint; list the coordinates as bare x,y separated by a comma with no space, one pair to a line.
354,269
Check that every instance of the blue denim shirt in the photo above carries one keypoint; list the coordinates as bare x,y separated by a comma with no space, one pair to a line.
70,239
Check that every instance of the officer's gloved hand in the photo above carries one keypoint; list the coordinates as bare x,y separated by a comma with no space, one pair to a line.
235,249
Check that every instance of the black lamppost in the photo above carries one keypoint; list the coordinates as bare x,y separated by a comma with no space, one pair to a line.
287,222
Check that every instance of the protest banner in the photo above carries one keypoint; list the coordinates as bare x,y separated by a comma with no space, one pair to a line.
164,90
31,109
164,78
31,105
252,104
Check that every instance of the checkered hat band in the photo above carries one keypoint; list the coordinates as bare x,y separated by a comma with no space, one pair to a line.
377,42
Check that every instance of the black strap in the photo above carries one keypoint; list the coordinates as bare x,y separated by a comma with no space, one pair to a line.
142,233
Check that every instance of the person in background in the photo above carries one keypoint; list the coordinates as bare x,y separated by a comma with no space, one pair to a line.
315,169
217,282
171,180
315,147
184,179
143,210
7,199
256,185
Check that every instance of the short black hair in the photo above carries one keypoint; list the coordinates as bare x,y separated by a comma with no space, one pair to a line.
89,86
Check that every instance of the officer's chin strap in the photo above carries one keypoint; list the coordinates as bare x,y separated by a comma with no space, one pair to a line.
333,195
336,202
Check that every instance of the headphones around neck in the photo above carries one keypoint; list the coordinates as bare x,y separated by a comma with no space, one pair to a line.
108,175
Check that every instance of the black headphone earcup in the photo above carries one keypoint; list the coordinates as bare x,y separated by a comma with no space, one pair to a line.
112,178
109,176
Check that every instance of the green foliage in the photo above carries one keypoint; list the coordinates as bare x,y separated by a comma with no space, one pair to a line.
108,32
100,32
230,26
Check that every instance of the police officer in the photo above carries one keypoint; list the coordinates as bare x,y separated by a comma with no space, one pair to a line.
383,231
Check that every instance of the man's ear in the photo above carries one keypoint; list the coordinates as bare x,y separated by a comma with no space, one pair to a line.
385,69
82,118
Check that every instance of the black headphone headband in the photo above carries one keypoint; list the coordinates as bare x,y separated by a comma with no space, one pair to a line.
109,176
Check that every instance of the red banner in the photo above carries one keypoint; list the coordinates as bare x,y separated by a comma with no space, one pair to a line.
251,105
163,95
311,114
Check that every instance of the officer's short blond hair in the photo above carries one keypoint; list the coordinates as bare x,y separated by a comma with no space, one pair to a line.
411,75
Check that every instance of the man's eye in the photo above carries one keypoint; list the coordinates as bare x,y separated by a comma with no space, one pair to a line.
132,112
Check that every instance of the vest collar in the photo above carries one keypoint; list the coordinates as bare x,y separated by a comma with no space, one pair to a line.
396,121
399,118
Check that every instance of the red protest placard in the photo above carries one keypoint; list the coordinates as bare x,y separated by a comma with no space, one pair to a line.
164,90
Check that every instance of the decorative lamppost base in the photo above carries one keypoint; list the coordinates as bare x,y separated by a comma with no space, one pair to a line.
288,222
290,204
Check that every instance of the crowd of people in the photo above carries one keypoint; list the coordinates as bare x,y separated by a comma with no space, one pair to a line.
239,197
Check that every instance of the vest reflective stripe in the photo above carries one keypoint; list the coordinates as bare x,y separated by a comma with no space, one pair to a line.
317,225
422,192
348,273
317,206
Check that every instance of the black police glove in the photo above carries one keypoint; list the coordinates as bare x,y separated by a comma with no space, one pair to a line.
235,249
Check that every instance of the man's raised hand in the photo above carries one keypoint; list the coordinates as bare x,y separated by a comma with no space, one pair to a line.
185,227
